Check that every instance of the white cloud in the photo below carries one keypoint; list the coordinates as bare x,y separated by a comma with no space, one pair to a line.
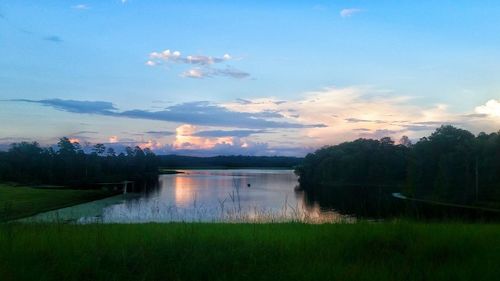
165,55
348,113
345,13
175,56
81,7
207,72
491,108
197,73
354,112
206,64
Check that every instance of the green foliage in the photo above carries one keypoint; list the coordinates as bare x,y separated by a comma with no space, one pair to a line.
363,161
361,251
68,164
442,166
450,165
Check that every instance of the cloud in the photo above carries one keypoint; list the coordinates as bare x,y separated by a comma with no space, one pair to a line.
357,120
316,118
208,114
228,133
160,133
378,134
475,115
85,132
232,73
13,25
205,60
491,108
14,139
53,38
346,13
243,101
198,113
207,72
417,127
246,101
190,141
167,56
81,7
113,139
197,73
349,111
75,106
204,64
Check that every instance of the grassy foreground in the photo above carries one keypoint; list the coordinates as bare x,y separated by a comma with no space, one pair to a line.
18,202
362,251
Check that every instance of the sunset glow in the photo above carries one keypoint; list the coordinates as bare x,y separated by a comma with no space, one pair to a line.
284,87
185,138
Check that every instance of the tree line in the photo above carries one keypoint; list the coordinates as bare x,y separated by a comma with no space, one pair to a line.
451,165
235,161
68,164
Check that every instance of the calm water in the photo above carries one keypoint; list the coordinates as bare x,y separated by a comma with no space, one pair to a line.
205,195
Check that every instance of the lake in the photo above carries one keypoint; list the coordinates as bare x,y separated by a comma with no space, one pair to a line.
205,196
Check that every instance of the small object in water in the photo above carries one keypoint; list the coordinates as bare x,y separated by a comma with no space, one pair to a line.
248,184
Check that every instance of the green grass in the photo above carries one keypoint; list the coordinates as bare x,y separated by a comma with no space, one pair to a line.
19,201
361,251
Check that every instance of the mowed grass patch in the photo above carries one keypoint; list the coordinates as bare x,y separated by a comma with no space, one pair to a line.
21,201
361,251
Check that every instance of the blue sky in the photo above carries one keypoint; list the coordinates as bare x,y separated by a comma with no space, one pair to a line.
272,77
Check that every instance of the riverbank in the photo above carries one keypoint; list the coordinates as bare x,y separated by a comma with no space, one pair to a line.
23,201
446,204
361,251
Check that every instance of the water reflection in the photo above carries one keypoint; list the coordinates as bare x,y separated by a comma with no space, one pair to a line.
372,202
213,195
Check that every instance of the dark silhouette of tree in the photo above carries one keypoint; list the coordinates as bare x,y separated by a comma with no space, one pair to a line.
405,141
99,149
235,161
442,165
111,152
363,161
450,165
68,164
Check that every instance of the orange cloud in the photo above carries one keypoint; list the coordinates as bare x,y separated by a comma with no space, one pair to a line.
185,139
151,144
350,113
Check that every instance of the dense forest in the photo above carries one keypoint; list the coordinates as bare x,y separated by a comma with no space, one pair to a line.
451,165
177,161
69,165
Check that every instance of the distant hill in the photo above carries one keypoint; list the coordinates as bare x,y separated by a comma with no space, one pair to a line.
177,161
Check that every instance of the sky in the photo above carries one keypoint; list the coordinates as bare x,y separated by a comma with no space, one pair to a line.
245,77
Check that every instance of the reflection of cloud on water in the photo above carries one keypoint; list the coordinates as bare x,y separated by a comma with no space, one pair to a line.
205,196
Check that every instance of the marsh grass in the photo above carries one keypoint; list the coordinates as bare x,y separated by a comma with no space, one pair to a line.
286,251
